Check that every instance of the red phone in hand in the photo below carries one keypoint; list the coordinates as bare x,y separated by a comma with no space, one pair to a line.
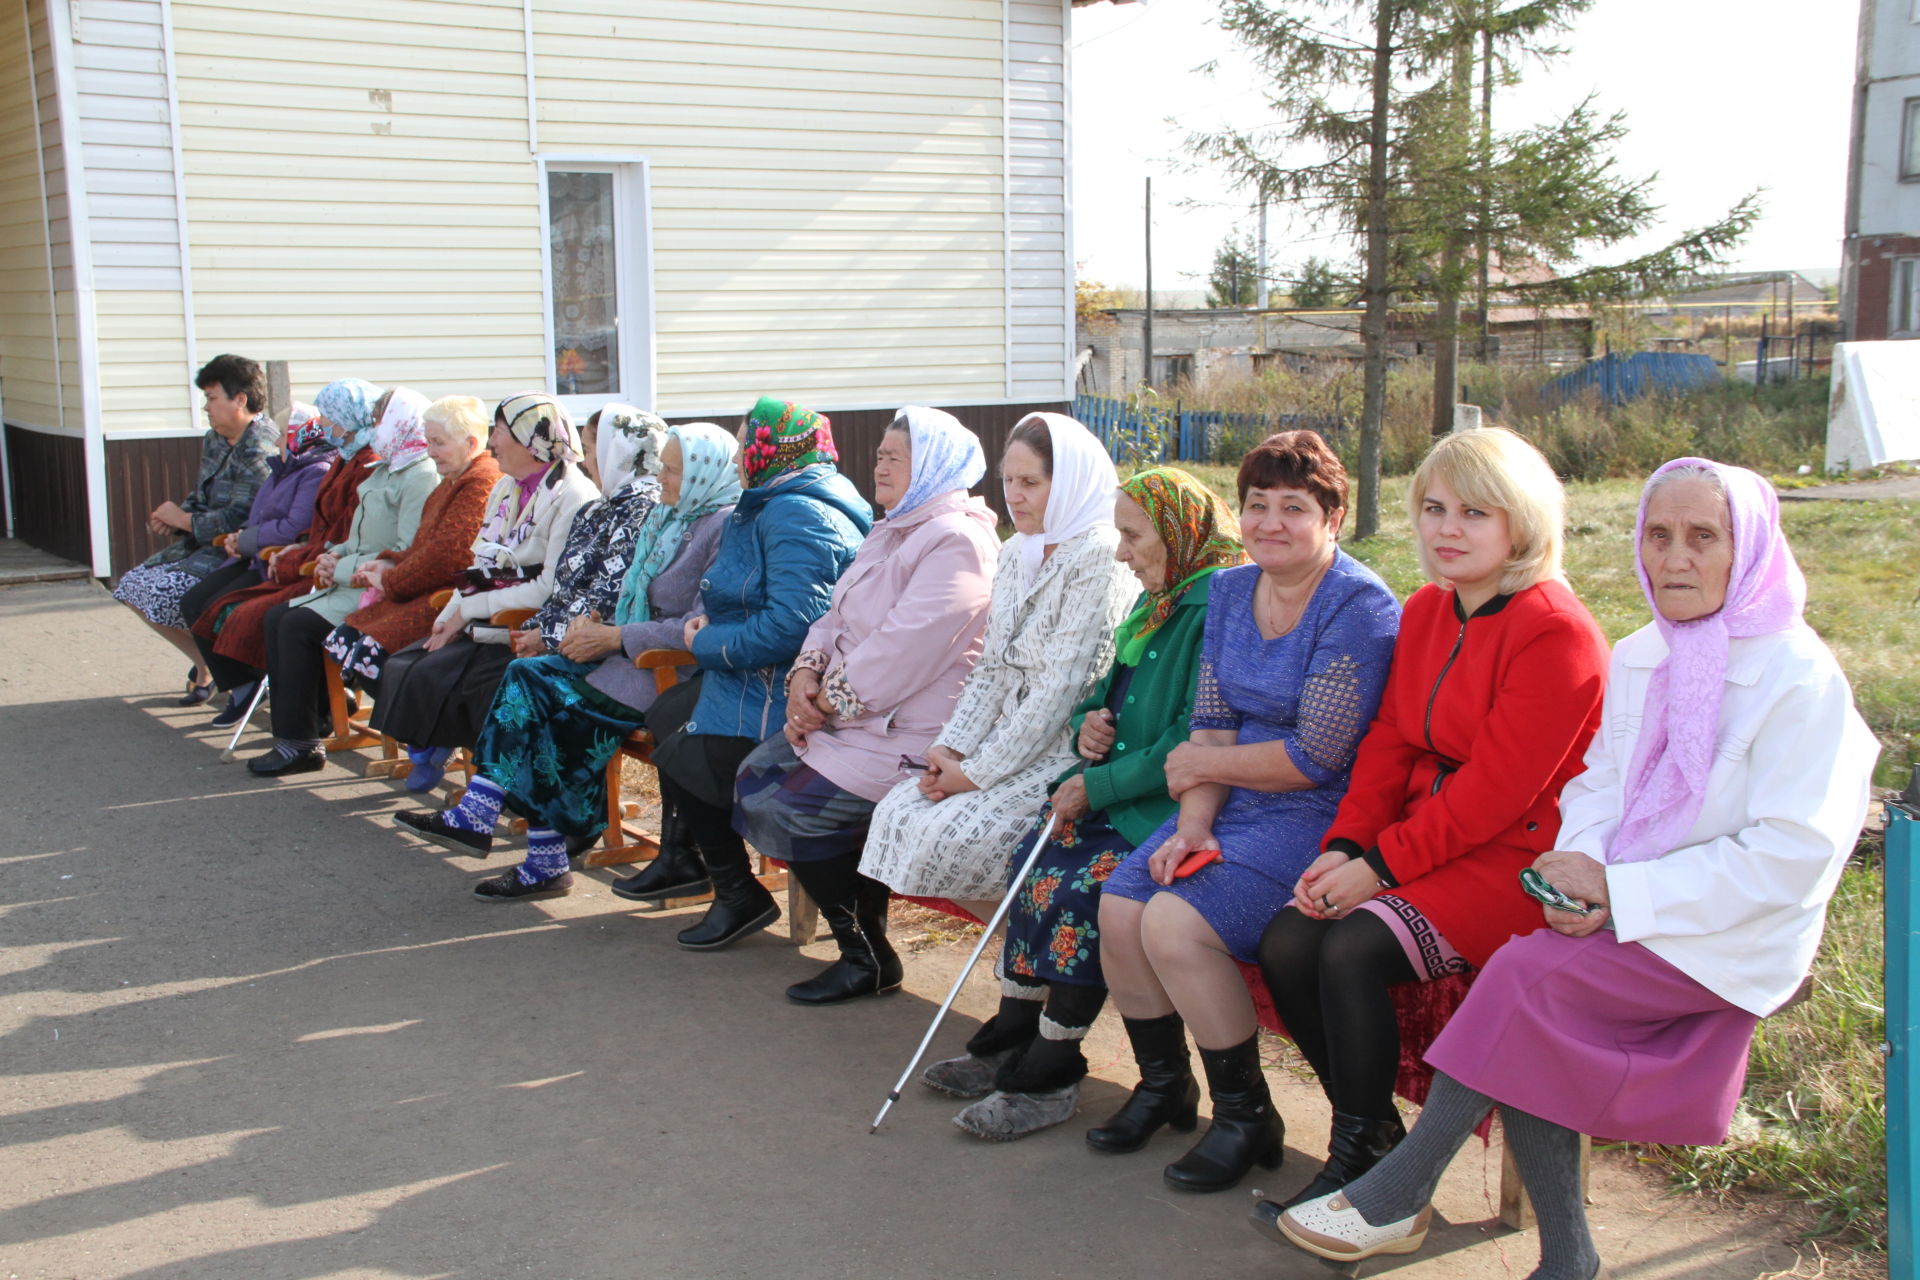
1194,861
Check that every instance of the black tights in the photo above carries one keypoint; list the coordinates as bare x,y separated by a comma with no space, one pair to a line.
836,881
707,827
1329,981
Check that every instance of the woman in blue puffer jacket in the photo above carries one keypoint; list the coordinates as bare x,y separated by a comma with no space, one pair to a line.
794,531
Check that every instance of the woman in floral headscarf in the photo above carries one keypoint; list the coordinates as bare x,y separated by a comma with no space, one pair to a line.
1175,534
875,680
433,695
556,721
388,516
1720,800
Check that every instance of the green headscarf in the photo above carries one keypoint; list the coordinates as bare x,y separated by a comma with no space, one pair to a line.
1200,534
783,437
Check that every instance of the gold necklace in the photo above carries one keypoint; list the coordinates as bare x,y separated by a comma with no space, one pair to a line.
1280,624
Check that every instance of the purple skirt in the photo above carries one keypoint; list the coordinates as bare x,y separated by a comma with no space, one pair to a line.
1600,1036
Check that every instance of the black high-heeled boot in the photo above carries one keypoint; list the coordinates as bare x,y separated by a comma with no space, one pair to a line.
675,872
855,909
741,904
1167,1093
1246,1130
1357,1144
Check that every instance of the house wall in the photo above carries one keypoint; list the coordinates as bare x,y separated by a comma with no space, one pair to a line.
1883,211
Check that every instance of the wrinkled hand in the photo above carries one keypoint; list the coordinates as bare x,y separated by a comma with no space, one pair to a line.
445,628
370,573
1176,849
943,777
589,639
172,515
1097,733
323,569
528,644
285,555
1584,880
1070,799
695,625
803,712
1188,767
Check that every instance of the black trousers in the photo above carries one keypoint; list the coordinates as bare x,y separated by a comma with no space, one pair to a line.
297,666
200,598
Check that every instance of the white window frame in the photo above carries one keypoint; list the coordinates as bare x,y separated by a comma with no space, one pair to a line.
633,274
1903,298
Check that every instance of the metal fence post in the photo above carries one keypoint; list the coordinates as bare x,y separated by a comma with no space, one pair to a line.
1903,1046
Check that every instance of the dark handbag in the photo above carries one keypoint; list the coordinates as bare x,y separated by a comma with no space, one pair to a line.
473,581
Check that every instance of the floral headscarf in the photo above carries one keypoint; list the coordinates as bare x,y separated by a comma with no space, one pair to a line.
946,456
627,445
783,437
304,428
348,405
1666,782
708,482
400,437
540,422
1200,534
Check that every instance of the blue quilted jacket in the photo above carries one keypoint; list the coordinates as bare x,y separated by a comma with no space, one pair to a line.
781,552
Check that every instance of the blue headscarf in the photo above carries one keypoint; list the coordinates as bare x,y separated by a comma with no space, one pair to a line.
708,482
348,405
946,456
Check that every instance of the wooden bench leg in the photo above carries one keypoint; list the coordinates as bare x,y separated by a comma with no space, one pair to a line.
803,914
620,845
1516,1210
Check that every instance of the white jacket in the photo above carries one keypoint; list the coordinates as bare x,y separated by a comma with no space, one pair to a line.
553,507
1740,905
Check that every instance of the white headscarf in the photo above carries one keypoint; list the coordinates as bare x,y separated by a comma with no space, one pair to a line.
1081,497
627,445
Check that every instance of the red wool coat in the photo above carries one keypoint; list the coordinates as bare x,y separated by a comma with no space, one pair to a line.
1456,787
242,634
449,522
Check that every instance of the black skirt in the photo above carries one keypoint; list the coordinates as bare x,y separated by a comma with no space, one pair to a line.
439,699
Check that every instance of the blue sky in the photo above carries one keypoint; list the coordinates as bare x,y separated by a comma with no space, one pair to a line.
1722,96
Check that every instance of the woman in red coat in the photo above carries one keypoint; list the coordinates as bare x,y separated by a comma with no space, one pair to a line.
1494,692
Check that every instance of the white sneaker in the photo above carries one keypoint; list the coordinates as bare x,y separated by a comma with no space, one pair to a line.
1331,1228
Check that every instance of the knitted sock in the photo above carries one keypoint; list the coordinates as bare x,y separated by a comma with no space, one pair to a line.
546,855
1053,1060
1402,1184
1015,1023
479,809
1548,1157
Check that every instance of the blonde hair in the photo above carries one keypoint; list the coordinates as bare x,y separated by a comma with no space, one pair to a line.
463,415
1493,468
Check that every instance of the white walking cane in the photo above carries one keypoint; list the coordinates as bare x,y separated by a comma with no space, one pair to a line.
999,914
259,692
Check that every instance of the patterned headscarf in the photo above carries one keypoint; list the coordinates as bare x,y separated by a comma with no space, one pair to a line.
783,437
348,405
708,482
304,428
400,437
946,456
540,422
1666,782
1201,534
627,445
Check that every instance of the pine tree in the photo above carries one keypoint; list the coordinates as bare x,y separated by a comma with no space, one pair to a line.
1235,280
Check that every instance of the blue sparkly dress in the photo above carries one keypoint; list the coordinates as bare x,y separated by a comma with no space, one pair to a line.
1315,689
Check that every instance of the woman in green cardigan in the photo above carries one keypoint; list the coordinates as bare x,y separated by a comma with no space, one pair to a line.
1025,1064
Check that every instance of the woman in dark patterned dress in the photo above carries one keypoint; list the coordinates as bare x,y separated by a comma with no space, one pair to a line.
1174,535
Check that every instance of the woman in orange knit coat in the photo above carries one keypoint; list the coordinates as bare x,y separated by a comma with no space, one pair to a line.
1494,692
404,583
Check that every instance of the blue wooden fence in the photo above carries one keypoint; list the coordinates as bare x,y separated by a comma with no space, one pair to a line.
1151,433
1903,1037
1619,379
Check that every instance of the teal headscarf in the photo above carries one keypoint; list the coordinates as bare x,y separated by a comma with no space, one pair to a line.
348,405
708,482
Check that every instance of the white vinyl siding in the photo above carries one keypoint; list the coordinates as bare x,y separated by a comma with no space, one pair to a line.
1037,222
826,178
361,196
39,375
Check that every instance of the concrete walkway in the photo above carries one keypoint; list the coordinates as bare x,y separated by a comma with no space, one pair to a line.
250,1031
21,564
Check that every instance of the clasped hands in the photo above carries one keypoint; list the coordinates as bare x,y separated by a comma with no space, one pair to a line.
169,517
943,777
807,707
588,639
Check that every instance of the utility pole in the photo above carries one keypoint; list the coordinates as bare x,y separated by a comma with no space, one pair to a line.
1146,326
1486,167
1260,285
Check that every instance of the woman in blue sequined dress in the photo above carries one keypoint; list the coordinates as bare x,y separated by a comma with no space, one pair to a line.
1294,658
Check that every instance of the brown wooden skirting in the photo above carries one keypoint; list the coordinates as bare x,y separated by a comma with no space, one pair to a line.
142,474
857,432
47,475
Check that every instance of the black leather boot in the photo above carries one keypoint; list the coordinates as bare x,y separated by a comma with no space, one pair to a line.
863,969
1167,1093
1246,1130
675,872
1356,1146
741,905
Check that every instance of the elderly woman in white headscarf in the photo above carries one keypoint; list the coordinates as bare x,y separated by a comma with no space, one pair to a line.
875,680
1058,594
434,695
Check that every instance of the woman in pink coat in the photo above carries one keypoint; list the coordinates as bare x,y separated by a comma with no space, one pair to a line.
872,687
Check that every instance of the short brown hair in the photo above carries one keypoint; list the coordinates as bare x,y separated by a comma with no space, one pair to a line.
1296,460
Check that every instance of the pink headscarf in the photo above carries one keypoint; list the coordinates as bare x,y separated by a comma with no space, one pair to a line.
1666,781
